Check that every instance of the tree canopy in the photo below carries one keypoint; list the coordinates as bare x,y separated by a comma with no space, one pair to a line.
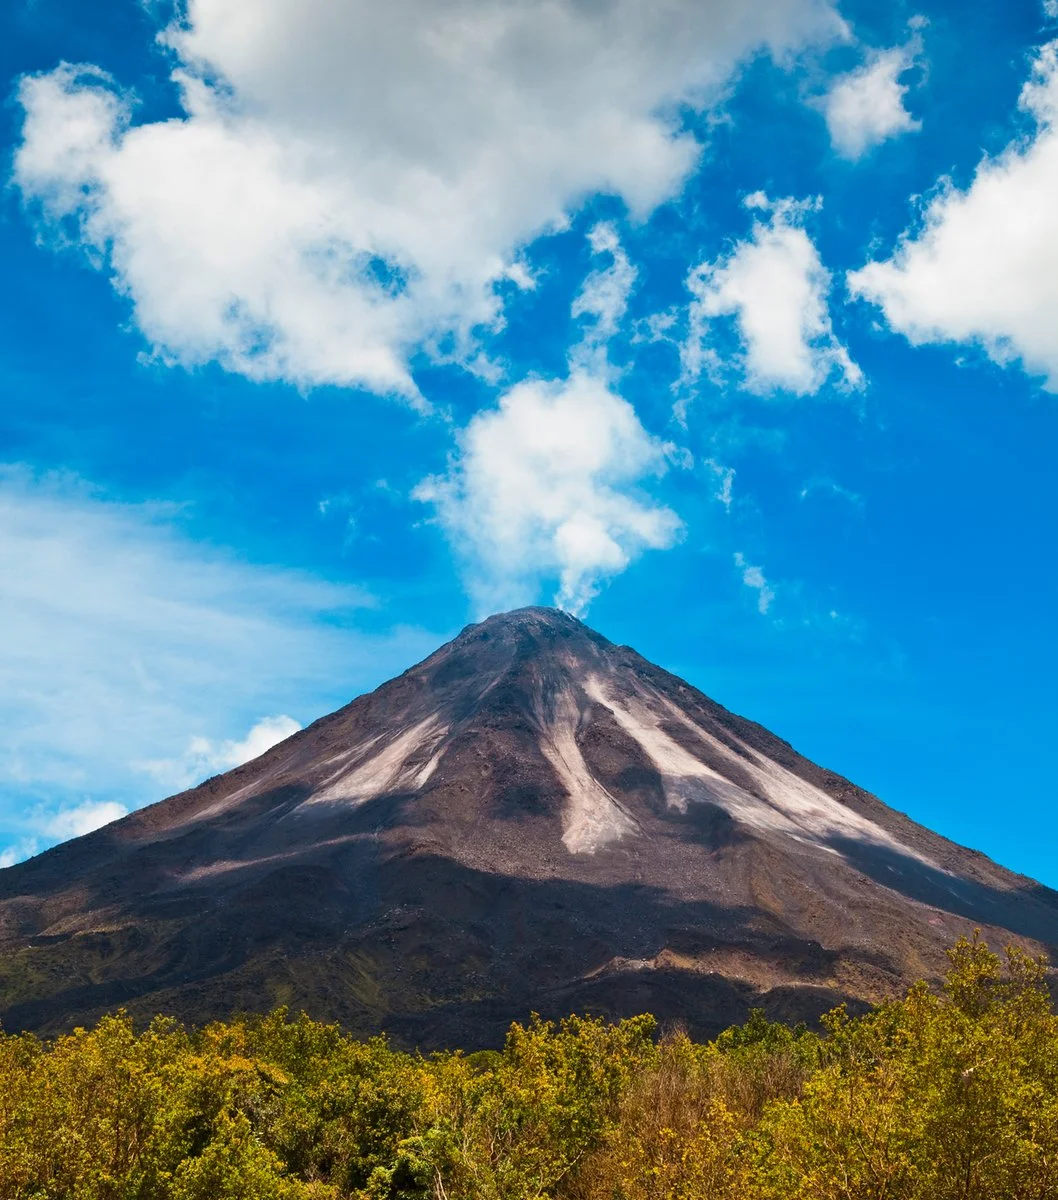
944,1094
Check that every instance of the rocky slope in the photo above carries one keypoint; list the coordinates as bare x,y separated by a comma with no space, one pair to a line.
530,819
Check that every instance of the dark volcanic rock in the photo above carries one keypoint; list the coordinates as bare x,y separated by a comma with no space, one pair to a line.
533,819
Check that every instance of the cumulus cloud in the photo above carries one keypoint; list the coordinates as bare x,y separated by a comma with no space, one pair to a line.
121,640
58,825
775,287
603,297
547,484
983,266
18,852
304,219
204,756
753,577
866,107
81,819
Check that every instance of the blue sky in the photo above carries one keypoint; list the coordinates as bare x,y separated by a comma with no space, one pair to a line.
328,328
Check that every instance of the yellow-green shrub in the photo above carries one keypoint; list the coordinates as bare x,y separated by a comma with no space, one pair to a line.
947,1094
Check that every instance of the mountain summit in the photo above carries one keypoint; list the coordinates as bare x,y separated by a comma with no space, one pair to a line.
531,819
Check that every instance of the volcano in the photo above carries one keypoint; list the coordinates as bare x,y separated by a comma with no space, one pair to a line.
531,820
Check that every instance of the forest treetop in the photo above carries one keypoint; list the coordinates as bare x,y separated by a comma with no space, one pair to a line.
944,1094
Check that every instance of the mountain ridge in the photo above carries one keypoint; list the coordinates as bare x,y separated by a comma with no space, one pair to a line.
530,818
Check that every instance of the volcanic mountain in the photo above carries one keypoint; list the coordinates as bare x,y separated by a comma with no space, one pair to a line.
532,819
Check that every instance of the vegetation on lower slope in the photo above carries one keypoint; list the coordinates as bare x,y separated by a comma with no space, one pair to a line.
949,1095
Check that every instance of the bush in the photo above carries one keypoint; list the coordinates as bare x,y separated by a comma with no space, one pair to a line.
947,1094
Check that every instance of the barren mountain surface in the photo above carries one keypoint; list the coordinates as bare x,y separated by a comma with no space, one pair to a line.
532,819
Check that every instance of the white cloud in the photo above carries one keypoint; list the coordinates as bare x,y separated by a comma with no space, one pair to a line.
307,219
775,287
41,827
121,640
753,577
866,107
983,268
204,756
725,481
547,484
1050,9
603,297
81,819
18,852
829,487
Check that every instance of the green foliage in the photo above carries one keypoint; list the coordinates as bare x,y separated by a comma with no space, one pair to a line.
516,1131
949,1097
941,1095
234,1165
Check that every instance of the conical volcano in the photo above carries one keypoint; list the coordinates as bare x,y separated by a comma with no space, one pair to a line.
532,819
